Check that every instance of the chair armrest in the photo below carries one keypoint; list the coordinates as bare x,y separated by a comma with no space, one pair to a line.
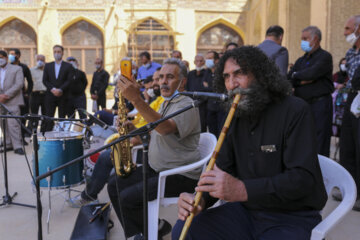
178,170
322,229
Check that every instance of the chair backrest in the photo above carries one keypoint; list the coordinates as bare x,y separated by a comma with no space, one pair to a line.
207,145
335,175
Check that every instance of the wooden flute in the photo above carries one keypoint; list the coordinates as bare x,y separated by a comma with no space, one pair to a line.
211,164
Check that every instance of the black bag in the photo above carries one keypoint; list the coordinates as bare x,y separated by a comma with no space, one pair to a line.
98,229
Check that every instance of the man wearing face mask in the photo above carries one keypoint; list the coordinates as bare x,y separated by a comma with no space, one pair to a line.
197,82
11,83
99,84
14,58
148,67
37,98
350,136
57,79
215,114
76,96
311,77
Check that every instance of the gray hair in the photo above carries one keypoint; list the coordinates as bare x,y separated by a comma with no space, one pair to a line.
313,30
180,64
200,55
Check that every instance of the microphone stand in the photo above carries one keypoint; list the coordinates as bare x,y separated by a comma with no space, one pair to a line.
145,136
7,198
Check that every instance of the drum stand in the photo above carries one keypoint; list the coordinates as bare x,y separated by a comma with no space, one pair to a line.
67,191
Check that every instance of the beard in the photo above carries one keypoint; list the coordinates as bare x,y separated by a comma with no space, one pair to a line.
253,102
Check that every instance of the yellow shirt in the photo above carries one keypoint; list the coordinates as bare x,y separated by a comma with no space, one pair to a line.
139,121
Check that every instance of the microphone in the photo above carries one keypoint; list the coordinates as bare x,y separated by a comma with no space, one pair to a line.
206,95
94,119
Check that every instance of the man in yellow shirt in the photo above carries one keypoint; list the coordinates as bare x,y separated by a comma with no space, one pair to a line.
139,121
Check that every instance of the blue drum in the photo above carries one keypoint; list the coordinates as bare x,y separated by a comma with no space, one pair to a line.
55,149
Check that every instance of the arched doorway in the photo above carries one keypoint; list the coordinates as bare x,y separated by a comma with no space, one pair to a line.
17,34
152,36
85,42
216,37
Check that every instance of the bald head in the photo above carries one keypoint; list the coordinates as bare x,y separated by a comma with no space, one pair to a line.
40,57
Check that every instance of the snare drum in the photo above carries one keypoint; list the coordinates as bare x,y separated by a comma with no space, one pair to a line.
56,149
78,127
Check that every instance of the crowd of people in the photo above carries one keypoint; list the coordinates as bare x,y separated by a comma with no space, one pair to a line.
267,170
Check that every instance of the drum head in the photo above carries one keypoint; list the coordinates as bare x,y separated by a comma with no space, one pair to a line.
56,136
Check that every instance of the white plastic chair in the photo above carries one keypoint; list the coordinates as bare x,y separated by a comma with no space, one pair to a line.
335,176
206,147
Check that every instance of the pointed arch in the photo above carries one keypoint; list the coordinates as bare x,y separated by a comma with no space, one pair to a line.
9,19
84,40
78,19
221,21
152,35
143,20
16,33
216,34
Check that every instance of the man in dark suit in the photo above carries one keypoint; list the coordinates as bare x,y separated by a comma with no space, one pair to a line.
76,97
271,46
57,78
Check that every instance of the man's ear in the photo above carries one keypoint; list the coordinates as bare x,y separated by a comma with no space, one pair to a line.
182,85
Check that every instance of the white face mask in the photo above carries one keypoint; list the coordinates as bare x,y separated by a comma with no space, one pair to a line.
40,64
2,62
150,92
352,38
343,67
200,68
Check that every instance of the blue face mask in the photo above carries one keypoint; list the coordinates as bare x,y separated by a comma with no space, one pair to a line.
305,46
12,58
168,98
209,63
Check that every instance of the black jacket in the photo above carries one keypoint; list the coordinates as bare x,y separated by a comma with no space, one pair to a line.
276,158
64,79
315,69
78,83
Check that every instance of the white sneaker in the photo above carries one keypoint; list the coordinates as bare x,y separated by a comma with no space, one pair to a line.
78,201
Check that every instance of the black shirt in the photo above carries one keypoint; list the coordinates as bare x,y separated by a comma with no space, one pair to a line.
27,76
78,83
316,69
276,158
195,82
99,83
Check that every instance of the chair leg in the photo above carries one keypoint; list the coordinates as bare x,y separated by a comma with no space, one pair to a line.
153,213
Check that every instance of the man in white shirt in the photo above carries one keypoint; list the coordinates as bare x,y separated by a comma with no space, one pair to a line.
37,98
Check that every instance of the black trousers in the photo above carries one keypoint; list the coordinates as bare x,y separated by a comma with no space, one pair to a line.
322,111
24,109
126,196
233,221
101,102
37,100
350,143
50,107
215,121
75,102
203,116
